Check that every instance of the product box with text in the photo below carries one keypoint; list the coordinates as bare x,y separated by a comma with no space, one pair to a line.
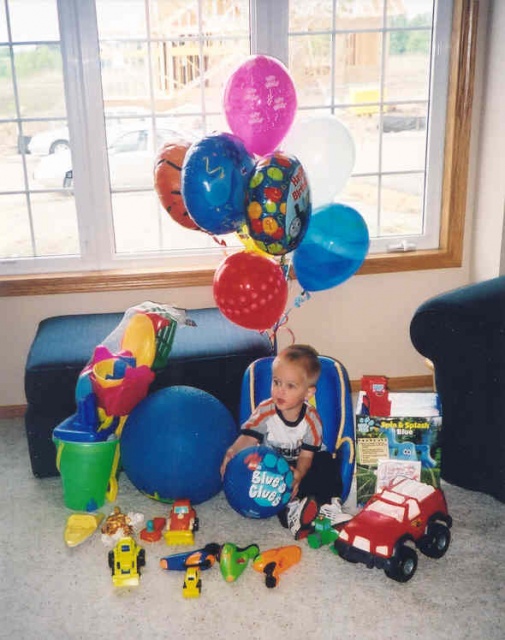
406,442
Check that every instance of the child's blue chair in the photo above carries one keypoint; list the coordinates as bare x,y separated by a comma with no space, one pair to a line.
333,401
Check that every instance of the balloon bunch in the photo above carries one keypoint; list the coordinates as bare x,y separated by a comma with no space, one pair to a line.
242,182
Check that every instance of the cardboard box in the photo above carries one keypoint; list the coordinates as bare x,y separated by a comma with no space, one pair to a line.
406,442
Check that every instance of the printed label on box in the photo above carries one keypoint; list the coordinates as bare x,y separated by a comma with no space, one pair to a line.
388,470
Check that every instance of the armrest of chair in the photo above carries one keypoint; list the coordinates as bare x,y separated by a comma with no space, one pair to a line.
466,319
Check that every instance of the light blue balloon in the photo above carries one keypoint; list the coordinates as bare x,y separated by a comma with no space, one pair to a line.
214,178
333,249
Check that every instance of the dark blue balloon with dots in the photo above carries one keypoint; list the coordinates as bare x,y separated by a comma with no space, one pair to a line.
258,482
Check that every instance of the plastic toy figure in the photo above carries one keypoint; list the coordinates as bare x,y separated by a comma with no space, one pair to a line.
153,530
323,533
125,561
192,586
182,522
275,561
403,515
202,558
234,560
117,521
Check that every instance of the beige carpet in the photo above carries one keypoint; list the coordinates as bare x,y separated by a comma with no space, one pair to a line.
49,591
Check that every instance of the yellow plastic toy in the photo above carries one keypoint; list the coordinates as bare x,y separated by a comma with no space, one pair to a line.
125,561
80,526
192,586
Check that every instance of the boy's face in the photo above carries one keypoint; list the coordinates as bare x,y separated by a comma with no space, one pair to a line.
290,386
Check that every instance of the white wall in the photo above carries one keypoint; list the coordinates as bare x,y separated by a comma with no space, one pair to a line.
363,322
488,255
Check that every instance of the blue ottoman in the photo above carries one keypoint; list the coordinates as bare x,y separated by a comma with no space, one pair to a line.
212,356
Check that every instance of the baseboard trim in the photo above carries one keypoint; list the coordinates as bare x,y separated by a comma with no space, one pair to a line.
402,383
13,411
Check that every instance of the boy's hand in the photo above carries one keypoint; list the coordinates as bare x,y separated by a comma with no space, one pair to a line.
227,457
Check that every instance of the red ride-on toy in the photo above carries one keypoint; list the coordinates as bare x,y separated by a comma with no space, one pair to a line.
404,515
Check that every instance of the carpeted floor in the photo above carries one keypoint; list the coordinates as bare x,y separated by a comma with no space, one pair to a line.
49,591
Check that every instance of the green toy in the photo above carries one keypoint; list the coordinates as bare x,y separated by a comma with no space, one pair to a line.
234,560
323,533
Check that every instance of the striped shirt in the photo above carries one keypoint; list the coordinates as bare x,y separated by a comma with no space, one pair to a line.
288,438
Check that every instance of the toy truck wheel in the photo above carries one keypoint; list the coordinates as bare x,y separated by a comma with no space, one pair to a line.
196,525
437,540
403,565
141,559
111,561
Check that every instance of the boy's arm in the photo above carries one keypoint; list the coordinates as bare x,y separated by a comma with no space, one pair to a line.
303,464
242,442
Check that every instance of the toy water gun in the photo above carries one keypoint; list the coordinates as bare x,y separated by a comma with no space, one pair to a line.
234,560
201,558
275,561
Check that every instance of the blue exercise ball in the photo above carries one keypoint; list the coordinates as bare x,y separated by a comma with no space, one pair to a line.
258,482
173,443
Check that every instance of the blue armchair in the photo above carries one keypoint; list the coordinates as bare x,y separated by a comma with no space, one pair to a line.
462,332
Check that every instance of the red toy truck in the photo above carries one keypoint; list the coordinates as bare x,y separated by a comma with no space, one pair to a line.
404,515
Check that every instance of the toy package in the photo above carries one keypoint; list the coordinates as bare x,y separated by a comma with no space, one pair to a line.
397,434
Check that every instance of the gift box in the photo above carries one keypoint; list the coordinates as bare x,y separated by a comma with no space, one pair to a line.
403,442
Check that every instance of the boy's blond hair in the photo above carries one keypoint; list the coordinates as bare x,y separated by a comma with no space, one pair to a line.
305,356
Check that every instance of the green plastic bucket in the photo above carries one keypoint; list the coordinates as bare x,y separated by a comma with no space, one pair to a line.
88,472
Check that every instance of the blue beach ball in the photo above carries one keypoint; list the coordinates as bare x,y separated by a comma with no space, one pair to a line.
258,482
173,443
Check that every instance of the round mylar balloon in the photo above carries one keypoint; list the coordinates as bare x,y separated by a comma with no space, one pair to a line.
250,290
278,204
328,159
214,179
260,103
167,181
334,247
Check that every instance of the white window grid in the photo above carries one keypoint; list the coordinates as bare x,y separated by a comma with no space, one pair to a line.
85,121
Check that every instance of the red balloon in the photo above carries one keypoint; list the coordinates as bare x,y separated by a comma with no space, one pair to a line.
167,181
250,290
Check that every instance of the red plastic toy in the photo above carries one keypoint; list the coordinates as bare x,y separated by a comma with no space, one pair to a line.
376,400
182,522
153,530
404,515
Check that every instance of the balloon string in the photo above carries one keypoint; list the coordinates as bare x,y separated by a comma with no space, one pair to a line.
283,320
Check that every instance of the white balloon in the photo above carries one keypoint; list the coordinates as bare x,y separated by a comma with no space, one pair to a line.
325,147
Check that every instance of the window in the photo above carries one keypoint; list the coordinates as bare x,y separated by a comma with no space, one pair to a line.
86,99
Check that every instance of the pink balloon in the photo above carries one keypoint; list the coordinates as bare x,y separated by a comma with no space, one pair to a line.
260,103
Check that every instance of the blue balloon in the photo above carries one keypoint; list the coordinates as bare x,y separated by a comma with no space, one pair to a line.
333,249
214,179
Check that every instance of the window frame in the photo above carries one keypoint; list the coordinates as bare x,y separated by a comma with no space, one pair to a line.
453,209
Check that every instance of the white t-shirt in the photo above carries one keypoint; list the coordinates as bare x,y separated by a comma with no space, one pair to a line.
288,438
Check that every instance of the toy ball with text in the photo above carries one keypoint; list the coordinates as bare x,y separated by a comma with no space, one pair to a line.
215,173
250,290
167,181
260,103
258,482
278,204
